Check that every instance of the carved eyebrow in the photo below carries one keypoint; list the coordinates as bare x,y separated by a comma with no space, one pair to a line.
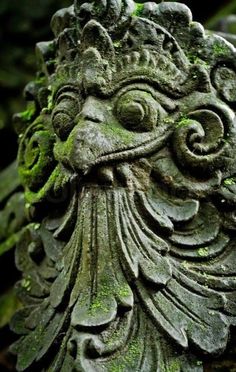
150,78
67,89
166,102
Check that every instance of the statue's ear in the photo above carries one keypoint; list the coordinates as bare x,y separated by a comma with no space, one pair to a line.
95,36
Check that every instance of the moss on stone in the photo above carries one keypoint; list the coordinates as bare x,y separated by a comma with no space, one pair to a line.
99,303
138,10
35,197
117,44
26,284
113,130
184,121
185,264
128,360
193,58
220,50
133,352
174,366
50,102
41,80
97,306
230,181
117,368
28,114
203,252
168,121
36,161
124,291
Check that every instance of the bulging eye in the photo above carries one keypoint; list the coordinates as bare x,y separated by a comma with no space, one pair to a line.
137,110
66,109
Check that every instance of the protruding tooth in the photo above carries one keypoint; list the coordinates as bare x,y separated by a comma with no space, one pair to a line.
125,174
145,57
153,62
105,174
127,60
119,66
135,56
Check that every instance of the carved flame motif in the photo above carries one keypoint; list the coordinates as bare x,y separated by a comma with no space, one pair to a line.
129,170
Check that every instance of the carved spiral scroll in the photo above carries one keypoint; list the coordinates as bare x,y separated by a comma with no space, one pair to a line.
35,156
198,141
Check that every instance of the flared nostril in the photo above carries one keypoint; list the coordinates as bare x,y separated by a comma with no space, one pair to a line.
93,110
96,118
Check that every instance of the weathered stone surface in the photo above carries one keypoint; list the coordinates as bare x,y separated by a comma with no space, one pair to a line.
128,166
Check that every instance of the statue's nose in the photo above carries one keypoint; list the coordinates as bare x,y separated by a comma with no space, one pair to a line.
93,110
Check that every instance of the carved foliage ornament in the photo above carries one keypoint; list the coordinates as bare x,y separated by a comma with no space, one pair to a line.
128,165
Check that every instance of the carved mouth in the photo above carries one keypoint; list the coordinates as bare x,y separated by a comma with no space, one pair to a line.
128,168
88,160
133,152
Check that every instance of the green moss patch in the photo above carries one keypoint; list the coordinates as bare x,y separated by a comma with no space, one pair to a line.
184,121
220,50
138,10
203,252
230,181
28,114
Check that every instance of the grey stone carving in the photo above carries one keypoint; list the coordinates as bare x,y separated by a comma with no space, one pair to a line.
128,166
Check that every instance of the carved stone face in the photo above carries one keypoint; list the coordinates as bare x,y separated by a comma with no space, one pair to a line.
130,171
128,104
107,130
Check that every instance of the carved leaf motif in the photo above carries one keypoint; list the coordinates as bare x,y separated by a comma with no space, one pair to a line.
99,287
188,312
142,249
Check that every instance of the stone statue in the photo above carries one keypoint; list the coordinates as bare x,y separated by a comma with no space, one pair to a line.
127,159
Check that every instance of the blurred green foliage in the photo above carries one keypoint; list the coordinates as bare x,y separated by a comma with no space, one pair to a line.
226,9
23,24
